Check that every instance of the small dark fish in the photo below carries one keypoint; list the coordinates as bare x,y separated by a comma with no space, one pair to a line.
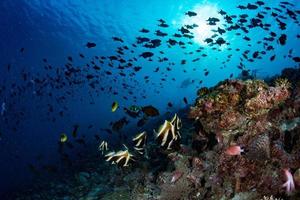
245,73
246,38
241,7
206,73
260,3
296,59
172,42
177,35
191,13
147,54
272,57
75,130
282,25
208,40
161,21
221,31
184,30
144,30
137,68
164,25
90,45
96,68
282,39
156,70
117,39
150,111
22,49
142,40
119,124
255,54
243,16
212,20
220,41
170,104
89,76
185,100
273,34
252,6
222,12
160,33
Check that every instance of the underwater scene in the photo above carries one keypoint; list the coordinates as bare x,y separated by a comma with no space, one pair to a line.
149,100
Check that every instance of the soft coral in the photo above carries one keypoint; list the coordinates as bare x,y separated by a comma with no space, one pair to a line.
289,184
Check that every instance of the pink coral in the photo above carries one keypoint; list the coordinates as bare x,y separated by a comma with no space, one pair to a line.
289,184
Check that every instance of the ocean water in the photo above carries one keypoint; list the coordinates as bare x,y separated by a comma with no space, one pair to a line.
39,103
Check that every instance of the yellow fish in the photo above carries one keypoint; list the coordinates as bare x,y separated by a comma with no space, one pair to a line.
63,138
114,106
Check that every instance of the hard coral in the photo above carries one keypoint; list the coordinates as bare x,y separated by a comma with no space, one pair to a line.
256,118
229,107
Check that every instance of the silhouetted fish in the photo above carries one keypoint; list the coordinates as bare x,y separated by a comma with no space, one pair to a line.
90,45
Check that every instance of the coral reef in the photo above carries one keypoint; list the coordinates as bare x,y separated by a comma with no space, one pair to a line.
262,121
241,141
235,107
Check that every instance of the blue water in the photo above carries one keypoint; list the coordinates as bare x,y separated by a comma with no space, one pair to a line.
57,29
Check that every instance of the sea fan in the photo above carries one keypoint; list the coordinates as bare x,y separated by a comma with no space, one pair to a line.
259,148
